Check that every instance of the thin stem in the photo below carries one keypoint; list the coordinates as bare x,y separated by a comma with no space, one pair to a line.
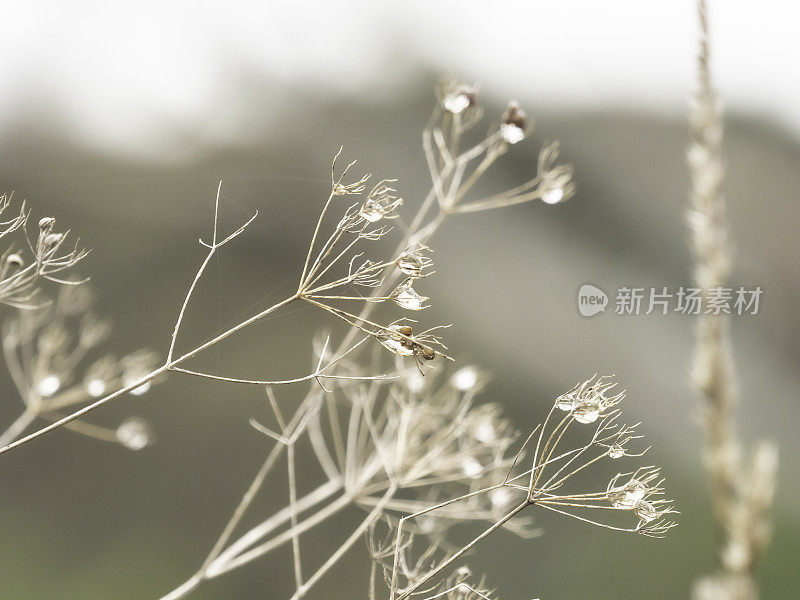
314,237
204,573
495,526
197,277
292,474
228,561
20,424
373,516
242,507
599,524
399,536
147,378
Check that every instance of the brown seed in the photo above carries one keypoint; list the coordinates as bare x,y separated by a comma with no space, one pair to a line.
514,115
427,353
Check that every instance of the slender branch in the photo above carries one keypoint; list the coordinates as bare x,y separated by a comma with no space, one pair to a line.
454,557
374,514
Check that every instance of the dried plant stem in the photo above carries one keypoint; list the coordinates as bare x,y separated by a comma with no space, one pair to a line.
228,561
173,363
466,548
353,451
19,425
741,493
713,363
355,536
166,367
216,564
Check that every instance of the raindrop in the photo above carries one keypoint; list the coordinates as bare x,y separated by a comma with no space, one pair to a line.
616,451
471,467
553,195
646,511
96,387
405,296
586,413
465,379
629,495
371,211
565,402
48,386
511,133
456,103
133,433
501,497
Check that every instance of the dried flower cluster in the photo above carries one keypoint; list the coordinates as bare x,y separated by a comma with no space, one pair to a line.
53,355
49,254
390,449
546,484
323,290
455,173
412,452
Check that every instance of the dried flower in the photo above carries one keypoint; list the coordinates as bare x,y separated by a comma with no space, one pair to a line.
46,224
587,401
134,433
19,277
413,261
460,99
512,127
380,203
405,296
555,180
46,347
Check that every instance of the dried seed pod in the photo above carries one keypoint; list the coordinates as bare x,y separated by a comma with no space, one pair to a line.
460,99
14,261
412,261
380,204
427,353
46,224
512,127
405,296
51,240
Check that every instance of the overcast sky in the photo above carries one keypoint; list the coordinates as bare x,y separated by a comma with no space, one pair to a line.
115,74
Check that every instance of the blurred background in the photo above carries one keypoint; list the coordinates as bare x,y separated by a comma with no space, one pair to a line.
119,119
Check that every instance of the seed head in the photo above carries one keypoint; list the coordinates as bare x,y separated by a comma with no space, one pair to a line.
14,261
555,180
460,99
380,203
405,296
51,240
413,261
512,127
46,224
